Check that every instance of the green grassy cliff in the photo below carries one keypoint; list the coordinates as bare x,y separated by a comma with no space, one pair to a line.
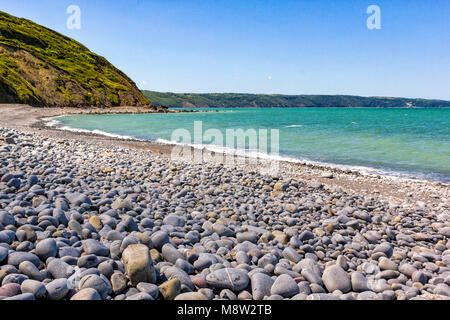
235,100
41,67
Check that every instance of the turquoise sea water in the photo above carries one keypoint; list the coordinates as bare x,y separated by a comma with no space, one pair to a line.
413,142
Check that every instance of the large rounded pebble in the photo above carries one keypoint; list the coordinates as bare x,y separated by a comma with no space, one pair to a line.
292,255
359,282
171,254
170,289
407,269
387,264
285,286
261,285
149,288
100,284
46,248
60,269
9,290
228,278
6,218
91,246
419,276
159,239
205,260
445,232
14,278
118,282
57,289
34,287
139,264
175,220
16,258
442,289
335,278
177,273
385,248
30,270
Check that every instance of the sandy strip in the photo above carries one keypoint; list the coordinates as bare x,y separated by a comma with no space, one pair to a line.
409,192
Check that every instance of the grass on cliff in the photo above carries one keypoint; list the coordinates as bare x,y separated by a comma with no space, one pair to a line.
9,75
77,62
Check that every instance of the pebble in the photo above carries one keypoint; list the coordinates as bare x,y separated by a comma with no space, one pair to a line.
159,239
140,296
170,289
88,294
190,296
285,286
322,296
57,289
177,273
170,253
205,260
99,283
228,278
118,282
359,282
29,269
368,295
335,278
17,257
387,264
46,248
138,264
149,288
34,287
442,289
261,285
419,276
292,255
60,269
10,290
91,246
73,228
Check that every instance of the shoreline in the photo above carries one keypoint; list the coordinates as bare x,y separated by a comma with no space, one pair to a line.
405,190
362,170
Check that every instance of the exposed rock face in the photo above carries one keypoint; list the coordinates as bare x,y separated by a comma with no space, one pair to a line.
43,68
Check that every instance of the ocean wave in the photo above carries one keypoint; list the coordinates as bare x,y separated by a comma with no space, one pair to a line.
56,124
295,126
363,170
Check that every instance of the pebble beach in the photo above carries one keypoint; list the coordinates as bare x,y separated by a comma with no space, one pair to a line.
81,219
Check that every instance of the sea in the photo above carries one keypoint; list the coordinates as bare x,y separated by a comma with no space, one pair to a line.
410,142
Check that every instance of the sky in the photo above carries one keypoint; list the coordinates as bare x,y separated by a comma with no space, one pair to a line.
264,46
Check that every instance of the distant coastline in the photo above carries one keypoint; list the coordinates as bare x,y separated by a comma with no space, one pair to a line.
238,100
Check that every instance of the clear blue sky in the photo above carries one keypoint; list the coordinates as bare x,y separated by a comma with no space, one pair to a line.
262,46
